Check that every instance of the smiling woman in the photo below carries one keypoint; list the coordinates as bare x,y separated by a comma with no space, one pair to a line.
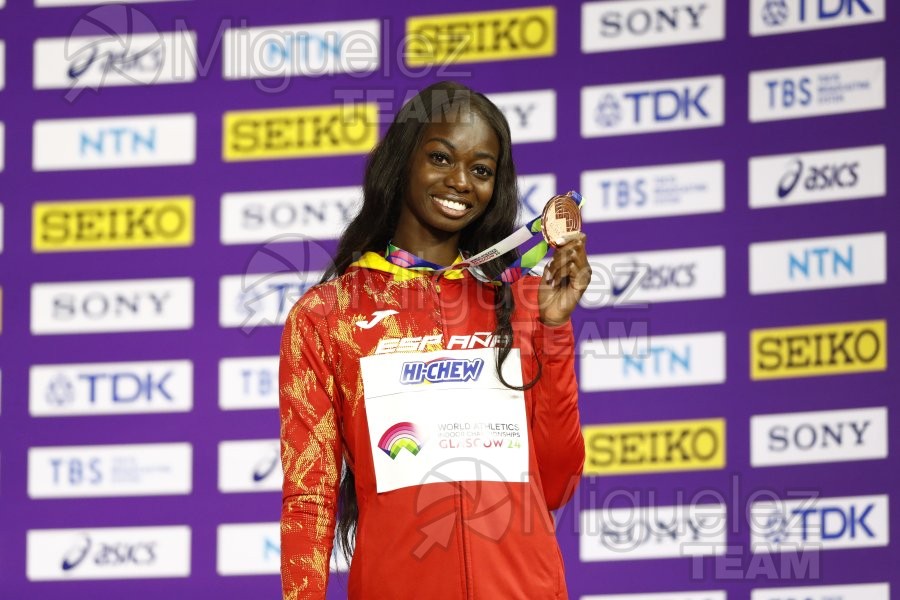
386,367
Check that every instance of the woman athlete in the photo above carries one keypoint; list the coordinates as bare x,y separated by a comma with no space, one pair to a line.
447,394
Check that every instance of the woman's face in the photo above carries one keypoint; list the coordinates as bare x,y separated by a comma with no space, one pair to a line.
451,176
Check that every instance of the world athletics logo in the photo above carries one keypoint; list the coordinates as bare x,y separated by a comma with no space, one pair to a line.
399,436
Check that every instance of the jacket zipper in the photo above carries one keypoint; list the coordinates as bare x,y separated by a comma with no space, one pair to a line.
461,521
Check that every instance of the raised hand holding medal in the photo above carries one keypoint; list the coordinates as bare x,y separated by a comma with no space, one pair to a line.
568,273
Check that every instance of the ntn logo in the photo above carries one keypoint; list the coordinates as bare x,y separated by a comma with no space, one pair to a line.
117,141
820,262
660,360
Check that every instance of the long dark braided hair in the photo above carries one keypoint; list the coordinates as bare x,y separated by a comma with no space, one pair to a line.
386,180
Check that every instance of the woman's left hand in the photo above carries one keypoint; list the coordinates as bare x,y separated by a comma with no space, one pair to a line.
565,279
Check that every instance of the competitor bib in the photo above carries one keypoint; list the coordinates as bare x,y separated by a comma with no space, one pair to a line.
444,416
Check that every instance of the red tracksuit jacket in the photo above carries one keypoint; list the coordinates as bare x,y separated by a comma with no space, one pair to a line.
454,540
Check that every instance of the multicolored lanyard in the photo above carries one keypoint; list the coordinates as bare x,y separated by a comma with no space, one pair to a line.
519,268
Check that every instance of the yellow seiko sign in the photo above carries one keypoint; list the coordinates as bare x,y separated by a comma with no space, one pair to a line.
654,447
481,36
157,222
300,132
826,349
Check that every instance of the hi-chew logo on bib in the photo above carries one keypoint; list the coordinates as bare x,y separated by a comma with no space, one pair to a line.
401,436
474,429
441,370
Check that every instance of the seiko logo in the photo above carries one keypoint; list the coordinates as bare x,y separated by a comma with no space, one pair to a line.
818,177
819,349
490,35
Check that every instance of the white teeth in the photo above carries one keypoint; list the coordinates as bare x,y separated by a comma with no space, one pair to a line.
451,204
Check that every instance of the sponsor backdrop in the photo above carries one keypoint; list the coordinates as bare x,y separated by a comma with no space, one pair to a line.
173,176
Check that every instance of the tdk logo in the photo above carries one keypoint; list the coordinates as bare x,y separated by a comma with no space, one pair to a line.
819,523
769,17
121,387
653,105
441,370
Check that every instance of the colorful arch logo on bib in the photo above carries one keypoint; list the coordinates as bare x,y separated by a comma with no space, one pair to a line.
402,435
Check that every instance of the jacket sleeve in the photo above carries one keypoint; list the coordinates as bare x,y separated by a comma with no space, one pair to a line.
310,456
556,424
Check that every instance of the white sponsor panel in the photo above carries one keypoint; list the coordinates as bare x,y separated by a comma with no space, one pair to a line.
810,177
110,388
658,276
768,17
624,25
651,106
108,553
114,142
101,61
637,533
2,140
862,591
108,471
531,115
708,595
820,523
534,192
654,191
659,361
255,299
816,90
288,215
46,3
305,49
248,382
112,305
1,228
2,63
255,549
249,466
818,437
818,263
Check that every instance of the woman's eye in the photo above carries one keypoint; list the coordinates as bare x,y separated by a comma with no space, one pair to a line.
483,171
440,158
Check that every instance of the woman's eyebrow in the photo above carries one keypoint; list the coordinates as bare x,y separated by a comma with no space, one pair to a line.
447,143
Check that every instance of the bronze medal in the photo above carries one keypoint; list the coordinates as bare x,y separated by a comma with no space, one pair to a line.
561,216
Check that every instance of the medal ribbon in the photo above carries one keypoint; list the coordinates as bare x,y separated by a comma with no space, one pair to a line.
519,268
